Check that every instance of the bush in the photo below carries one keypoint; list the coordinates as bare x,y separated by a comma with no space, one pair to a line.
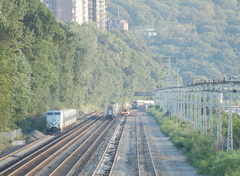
5,144
34,123
225,163
179,142
20,137
202,167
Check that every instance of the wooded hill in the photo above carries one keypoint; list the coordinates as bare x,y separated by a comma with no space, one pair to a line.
204,35
46,64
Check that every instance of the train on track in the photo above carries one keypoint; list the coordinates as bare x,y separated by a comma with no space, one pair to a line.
112,110
60,120
137,103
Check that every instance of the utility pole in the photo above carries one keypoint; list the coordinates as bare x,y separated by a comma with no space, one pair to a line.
170,61
230,135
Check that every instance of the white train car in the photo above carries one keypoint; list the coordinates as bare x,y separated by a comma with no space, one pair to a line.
139,103
136,103
149,102
60,120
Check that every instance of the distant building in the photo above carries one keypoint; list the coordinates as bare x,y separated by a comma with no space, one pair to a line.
85,11
150,32
97,12
117,24
79,11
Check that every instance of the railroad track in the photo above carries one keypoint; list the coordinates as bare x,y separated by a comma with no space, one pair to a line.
21,153
13,154
42,159
145,160
74,163
109,157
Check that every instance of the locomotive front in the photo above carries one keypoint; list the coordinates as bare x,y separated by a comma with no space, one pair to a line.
53,118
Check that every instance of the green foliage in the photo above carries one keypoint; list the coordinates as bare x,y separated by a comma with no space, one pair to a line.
225,163
47,64
4,144
11,12
20,137
198,148
5,96
35,123
203,34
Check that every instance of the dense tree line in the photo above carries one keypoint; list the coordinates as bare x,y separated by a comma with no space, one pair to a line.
204,35
47,64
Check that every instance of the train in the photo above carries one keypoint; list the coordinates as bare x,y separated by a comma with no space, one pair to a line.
125,109
60,120
137,103
111,110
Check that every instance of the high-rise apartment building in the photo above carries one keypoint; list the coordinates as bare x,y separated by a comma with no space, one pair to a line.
99,12
85,10
66,10
79,11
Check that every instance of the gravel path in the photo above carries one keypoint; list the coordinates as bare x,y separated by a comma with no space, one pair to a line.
168,160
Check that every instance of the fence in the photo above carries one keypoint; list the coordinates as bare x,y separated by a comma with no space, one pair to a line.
11,135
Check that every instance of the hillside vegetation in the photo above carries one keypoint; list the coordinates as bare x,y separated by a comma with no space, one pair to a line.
204,35
46,64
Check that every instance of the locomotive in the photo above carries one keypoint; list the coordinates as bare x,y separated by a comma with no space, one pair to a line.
60,120
111,110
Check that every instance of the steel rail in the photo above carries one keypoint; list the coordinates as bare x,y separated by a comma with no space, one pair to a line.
44,162
150,152
4,158
58,169
138,156
117,152
24,148
45,148
75,169
142,160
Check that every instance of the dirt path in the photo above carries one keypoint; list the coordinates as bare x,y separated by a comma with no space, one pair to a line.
168,159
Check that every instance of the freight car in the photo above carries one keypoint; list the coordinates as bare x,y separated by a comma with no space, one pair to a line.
137,103
111,110
60,120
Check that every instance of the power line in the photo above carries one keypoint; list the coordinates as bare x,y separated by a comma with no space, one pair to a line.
196,102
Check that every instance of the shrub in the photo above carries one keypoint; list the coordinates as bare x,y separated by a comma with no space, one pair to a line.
179,142
225,163
4,144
